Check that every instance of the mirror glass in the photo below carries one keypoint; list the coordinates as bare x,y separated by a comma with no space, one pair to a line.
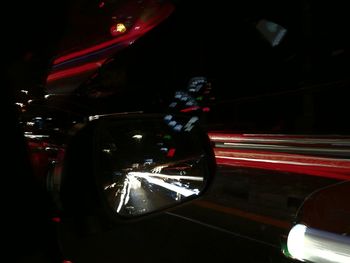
148,164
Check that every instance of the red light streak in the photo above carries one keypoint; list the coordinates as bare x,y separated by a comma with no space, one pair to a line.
294,163
164,12
190,109
75,71
276,138
268,151
56,219
206,109
171,152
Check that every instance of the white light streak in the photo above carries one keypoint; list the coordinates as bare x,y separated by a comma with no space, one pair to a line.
309,244
181,190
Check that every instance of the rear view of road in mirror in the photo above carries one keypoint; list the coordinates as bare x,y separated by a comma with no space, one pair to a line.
144,165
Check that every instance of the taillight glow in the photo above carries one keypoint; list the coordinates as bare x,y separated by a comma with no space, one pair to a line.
75,71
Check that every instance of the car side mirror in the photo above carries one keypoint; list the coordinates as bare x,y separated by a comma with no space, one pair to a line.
127,166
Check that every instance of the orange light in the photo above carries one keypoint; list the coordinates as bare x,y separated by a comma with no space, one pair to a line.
118,29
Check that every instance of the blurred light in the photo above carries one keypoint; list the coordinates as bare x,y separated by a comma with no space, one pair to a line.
295,241
162,13
36,136
137,137
171,177
124,197
56,219
178,127
70,72
172,123
168,117
189,109
148,161
278,161
110,186
189,125
134,182
47,96
106,150
309,244
118,29
206,109
30,101
171,152
181,190
158,169
19,104
51,149
24,91
178,95
101,4
30,123
95,117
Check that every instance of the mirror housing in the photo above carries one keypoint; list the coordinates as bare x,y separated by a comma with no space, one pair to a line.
123,167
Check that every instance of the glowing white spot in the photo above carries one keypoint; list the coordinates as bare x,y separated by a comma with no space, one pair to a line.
309,244
137,136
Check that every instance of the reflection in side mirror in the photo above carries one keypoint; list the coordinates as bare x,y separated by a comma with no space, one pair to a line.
144,165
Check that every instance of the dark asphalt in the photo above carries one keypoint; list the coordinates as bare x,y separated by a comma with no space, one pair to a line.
242,218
